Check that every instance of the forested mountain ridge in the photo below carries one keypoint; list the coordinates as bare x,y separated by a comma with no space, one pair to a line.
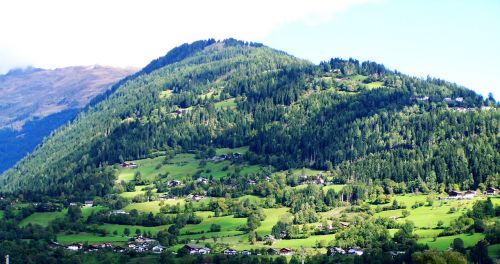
358,120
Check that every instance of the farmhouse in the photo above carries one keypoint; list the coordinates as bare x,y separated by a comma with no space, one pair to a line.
355,251
246,252
89,203
158,249
469,195
194,249
202,180
455,195
230,252
336,250
491,191
271,251
129,165
286,252
75,247
174,183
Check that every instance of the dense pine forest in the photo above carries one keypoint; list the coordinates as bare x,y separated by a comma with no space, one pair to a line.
359,120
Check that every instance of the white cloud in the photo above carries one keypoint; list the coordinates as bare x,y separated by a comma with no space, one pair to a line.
57,33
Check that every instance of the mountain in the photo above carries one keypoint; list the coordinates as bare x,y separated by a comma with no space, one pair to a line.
36,101
360,121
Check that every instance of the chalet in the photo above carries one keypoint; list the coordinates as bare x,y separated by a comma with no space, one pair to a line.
246,252
355,251
336,250
89,203
74,247
129,165
448,99
252,182
319,180
230,252
286,252
267,178
469,195
459,99
455,195
174,183
202,180
157,249
194,249
196,198
491,191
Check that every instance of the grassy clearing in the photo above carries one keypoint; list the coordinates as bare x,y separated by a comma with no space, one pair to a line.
90,238
336,187
427,233
374,85
303,171
166,94
227,223
494,251
420,216
272,217
442,243
119,228
184,166
153,206
42,219
229,103
306,242
86,211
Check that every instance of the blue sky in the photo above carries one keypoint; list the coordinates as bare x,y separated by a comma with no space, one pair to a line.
455,40
458,40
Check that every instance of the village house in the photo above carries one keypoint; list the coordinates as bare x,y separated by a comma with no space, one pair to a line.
336,250
459,99
157,249
491,191
119,249
246,252
194,249
202,180
89,203
448,99
344,224
129,165
252,182
319,180
286,252
75,246
469,195
174,183
355,251
230,252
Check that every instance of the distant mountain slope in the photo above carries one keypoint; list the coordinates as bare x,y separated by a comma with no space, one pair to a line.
358,120
38,93
34,102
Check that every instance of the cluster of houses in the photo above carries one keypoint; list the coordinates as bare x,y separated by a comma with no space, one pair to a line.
195,197
304,179
446,99
129,165
200,250
139,244
458,195
224,157
340,251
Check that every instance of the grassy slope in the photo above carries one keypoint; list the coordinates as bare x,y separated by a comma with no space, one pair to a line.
442,243
42,219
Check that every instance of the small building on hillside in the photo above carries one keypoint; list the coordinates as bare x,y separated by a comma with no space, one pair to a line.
194,249
129,165
455,195
230,252
271,251
491,191
469,195
336,250
286,252
157,249
75,246
246,252
174,183
88,203
355,251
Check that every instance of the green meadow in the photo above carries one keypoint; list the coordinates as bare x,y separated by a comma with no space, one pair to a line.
443,243
42,219
66,239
